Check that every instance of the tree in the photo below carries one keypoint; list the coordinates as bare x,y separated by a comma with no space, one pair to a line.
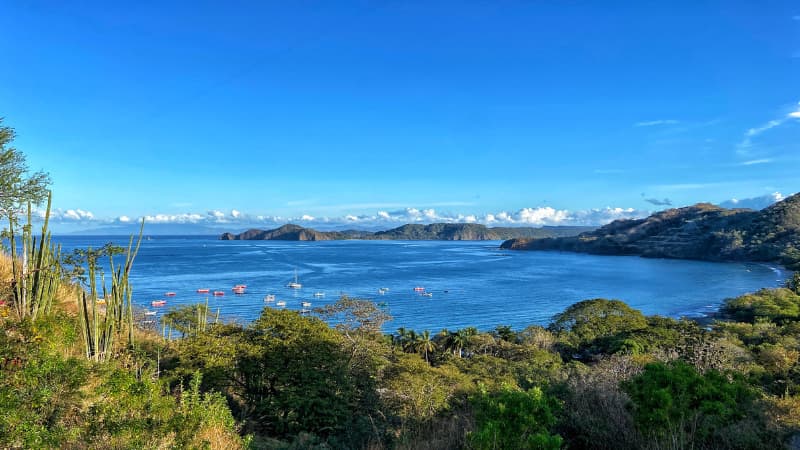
425,344
793,283
776,305
293,376
592,319
505,332
511,418
675,403
17,185
456,341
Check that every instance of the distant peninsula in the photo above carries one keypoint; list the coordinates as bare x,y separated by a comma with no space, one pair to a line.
703,231
410,232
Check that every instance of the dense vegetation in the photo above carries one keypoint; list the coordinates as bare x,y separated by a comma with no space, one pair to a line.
601,375
80,368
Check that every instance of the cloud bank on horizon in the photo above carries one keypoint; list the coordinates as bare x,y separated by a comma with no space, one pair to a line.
760,202
80,220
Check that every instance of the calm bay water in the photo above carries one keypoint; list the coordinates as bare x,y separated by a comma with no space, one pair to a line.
473,283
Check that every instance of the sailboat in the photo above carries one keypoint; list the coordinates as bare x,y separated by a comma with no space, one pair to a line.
294,284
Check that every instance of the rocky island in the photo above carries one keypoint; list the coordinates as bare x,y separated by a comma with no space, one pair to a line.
410,232
703,231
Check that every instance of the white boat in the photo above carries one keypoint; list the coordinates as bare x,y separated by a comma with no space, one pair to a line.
150,313
269,298
305,304
319,294
305,311
294,284
383,290
427,294
280,303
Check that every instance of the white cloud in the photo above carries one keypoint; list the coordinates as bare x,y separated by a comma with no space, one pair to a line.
769,125
747,142
760,202
532,216
652,123
69,215
174,218
753,162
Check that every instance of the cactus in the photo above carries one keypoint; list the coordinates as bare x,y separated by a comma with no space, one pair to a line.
36,272
101,328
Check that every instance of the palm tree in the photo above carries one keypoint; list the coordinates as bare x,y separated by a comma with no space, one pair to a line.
505,333
400,338
426,344
460,339
411,341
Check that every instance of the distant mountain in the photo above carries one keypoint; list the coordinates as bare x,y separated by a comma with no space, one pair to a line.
703,231
411,232
287,232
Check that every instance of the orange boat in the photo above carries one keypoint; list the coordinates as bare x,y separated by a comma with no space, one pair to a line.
203,291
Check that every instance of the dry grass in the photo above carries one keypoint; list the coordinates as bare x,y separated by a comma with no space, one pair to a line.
5,268
216,436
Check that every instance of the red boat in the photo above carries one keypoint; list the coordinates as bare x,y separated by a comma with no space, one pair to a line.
203,291
158,303
419,289
218,293
169,294
243,286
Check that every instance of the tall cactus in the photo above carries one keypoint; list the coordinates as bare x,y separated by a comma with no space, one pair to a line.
37,277
102,325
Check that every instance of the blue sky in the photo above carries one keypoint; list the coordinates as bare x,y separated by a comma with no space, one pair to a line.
363,113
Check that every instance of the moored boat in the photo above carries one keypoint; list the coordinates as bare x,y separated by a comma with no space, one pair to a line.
170,294
280,303
203,291
305,304
294,284
158,303
218,293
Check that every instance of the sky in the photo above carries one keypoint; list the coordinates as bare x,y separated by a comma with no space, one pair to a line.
365,114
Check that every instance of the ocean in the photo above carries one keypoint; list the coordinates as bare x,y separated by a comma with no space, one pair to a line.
471,283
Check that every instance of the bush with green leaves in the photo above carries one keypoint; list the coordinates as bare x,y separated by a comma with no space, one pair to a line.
676,406
512,418
775,305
